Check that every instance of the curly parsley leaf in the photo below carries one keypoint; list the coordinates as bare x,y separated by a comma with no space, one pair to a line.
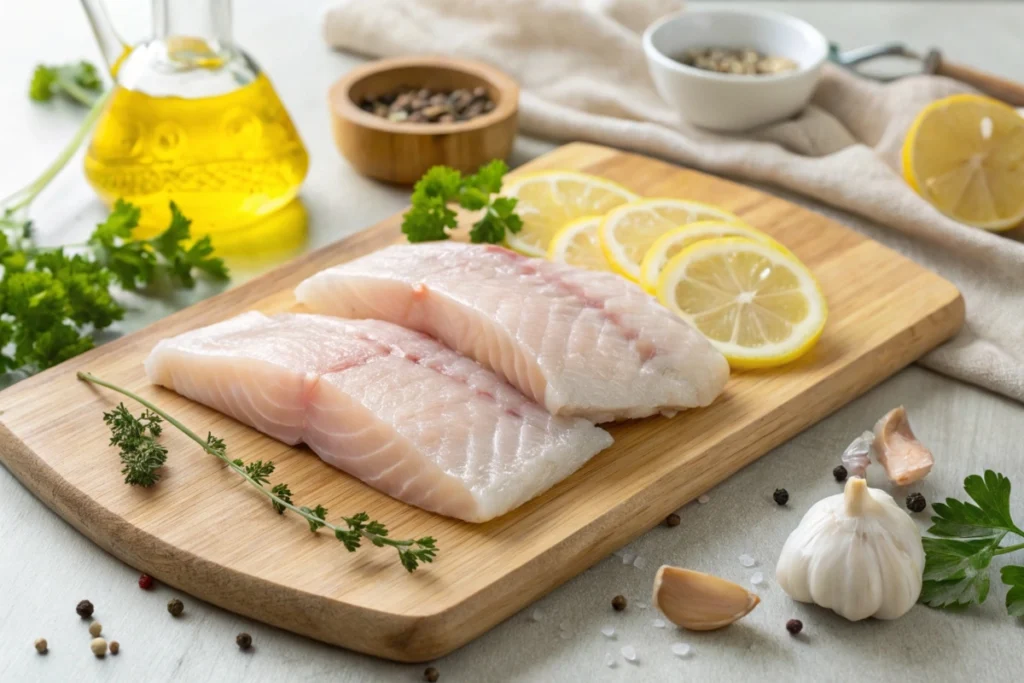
967,537
499,218
137,263
429,218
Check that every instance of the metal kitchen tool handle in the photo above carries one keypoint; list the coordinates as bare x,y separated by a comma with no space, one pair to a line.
933,62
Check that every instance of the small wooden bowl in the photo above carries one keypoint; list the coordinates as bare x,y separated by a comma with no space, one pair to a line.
401,152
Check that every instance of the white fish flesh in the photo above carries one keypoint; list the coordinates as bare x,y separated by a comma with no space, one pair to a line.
388,405
577,341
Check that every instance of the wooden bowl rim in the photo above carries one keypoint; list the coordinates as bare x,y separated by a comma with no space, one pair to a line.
342,105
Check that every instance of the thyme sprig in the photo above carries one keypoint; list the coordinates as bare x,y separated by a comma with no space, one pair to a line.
136,436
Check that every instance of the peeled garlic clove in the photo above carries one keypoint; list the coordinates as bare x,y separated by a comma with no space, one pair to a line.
904,458
700,602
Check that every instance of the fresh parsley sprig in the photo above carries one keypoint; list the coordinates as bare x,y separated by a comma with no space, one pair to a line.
430,218
136,436
78,81
969,535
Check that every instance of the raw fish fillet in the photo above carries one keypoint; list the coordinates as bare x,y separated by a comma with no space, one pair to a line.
577,341
389,406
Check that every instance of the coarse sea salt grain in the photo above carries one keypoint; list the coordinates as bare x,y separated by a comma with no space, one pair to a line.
639,562
609,660
703,499
627,558
629,652
608,631
659,623
747,560
757,578
681,649
642,605
537,615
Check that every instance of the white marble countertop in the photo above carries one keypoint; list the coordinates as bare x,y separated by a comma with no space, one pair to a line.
46,567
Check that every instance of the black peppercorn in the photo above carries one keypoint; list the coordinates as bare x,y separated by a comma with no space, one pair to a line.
619,603
672,520
781,496
243,641
175,607
794,626
839,473
84,609
916,502
430,674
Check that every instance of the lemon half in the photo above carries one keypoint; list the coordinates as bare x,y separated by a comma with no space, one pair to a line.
628,231
549,200
757,304
965,155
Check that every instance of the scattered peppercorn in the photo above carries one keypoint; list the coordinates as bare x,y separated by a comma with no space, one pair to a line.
916,502
243,640
95,629
145,582
781,496
175,607
430,674
41,646
423,105
839,473
672,520
794,626
98,646
115,647
84,609
619,603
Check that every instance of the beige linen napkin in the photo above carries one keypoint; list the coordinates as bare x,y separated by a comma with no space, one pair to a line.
581,67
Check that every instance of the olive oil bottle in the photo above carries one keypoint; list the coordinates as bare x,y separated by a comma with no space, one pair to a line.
192,120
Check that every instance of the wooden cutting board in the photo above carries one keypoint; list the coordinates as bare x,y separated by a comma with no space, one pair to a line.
205,532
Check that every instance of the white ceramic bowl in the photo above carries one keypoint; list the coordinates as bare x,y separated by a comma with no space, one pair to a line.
731,102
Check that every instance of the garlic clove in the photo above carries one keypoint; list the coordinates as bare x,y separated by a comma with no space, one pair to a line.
700,602
904,458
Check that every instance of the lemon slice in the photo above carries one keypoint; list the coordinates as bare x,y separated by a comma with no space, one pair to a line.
631,229
578,245
757,304
549,200
677,239
965,155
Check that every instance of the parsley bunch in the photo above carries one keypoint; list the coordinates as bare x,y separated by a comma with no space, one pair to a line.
142,456
969,535
52,300
429,218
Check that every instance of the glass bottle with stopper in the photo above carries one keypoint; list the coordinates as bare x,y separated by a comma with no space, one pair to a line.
193,120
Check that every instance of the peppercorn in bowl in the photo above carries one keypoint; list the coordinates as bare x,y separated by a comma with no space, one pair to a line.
395,118
733,70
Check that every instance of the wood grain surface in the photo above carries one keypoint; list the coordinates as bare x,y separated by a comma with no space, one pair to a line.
204,531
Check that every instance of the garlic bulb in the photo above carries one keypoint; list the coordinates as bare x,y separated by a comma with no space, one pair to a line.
856,553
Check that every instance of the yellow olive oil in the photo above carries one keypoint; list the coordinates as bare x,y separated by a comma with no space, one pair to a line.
227,160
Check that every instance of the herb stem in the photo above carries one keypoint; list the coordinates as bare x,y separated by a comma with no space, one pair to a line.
27,194
1009,549
376,539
